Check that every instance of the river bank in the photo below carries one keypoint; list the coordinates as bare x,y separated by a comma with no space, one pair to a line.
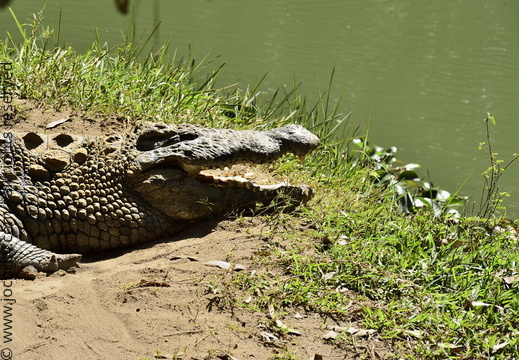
348,276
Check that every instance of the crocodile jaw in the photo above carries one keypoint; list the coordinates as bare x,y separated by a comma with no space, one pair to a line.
171,168
205,147
176,194
225,180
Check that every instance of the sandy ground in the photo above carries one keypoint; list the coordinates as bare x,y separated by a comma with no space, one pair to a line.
161,300
154,302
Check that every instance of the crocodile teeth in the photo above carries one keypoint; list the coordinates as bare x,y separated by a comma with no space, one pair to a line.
229,178
239,181
273,186
192,170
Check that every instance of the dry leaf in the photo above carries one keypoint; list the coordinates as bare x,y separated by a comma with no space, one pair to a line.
474,304
55,123
414,333
225,265
238,267
510,279
341,329
364,332
226,357
267,336
454,349
343,240
283,327
218,263
480,303
329,276
330,335
271,310
500,346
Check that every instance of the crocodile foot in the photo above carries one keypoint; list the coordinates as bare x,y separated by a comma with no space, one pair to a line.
49,265
22,259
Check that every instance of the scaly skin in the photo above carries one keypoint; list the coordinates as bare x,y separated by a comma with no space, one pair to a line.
64,194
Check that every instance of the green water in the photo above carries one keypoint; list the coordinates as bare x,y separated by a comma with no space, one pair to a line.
425,73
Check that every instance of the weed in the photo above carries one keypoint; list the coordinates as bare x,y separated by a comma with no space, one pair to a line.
491,196
283,354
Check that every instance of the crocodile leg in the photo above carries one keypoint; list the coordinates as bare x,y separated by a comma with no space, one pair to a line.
16,255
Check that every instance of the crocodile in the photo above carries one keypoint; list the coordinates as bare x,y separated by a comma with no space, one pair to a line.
64,195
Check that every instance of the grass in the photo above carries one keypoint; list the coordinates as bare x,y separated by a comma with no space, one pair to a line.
430,287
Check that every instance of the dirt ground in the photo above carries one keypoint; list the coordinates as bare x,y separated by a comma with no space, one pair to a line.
161,301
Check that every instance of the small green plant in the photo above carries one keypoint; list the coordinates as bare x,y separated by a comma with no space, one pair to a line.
283,354
492,197
129,286
411,193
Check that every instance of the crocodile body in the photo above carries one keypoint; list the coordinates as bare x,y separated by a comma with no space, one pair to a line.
64,195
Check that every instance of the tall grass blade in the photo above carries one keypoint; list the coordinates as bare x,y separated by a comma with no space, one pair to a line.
20,26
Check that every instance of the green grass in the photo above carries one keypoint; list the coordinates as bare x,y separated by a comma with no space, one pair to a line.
431,287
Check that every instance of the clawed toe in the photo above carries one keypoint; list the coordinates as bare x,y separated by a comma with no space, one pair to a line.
66,261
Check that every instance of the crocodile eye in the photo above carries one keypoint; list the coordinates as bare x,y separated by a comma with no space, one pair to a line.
152,139
155,139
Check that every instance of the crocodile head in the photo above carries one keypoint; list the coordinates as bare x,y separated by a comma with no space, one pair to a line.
171,165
